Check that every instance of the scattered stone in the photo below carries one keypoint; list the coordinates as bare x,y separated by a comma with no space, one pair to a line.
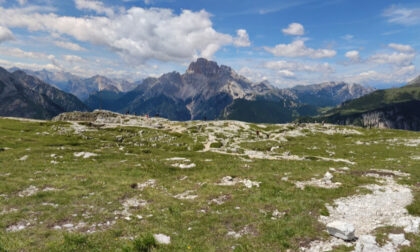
68,225
178,159
85,154
384,206
184,166
23,158
50,204
324,182
399,240
245,231
162,239
341,230
277,214
186,196
31,190
148,183
18,227
230,181
220,200
50,189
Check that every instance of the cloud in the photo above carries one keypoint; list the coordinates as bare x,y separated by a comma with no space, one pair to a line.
400,59
298,49
401,48
5,34
137,34
286,73
22,2
298,66
353,56
395,75
348,37
73,58
404,16
19,53
242,39
294,29
35,67
96,6
69,46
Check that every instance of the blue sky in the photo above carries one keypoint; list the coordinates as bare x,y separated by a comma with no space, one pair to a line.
371,42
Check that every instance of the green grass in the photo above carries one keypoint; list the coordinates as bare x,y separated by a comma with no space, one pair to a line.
93,190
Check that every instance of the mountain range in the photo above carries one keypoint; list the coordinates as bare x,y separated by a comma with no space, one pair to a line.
207,90
22,95
396,108
79,86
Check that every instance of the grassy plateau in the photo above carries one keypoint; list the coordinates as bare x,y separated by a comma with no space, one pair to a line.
67,186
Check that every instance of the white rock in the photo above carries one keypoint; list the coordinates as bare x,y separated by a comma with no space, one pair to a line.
184,166
187,195
162,239
398,240
341,230
69,225
367,243
328,176
84,154
24,158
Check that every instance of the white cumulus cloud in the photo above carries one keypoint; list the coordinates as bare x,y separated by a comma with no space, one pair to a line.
137,34
73,58
5,34
69,46
401,47
298,49
93,5
298,66
286,73
242,39
19,53
294,29
353,55
402,59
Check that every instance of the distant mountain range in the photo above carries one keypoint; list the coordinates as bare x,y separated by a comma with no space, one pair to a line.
207,90
22,95
396,108
79,86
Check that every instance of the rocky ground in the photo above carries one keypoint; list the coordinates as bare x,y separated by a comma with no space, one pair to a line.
108,182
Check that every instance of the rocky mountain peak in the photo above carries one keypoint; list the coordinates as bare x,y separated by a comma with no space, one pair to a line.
204,67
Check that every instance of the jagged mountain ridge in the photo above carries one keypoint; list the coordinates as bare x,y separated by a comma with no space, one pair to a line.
22,95
209,90
204,90
79,86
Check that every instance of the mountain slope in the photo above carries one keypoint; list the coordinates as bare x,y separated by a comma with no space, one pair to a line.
391,108
22,95
82,87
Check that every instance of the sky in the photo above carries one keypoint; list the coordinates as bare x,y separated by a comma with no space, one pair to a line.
286,42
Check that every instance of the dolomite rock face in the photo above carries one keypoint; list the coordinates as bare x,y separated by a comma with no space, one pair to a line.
341,230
